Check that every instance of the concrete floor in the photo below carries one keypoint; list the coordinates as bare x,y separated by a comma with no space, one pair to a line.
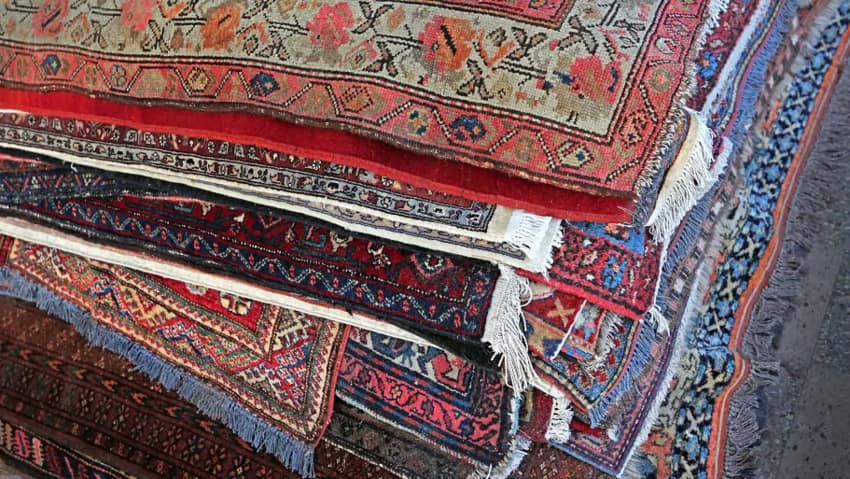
808,422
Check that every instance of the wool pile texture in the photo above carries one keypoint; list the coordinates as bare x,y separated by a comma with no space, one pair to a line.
416,239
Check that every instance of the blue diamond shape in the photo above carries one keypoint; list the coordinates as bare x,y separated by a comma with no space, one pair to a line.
264,84
51,64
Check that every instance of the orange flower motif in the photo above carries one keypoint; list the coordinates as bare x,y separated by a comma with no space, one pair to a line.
135,14
447,42
329,28
221,25
49,18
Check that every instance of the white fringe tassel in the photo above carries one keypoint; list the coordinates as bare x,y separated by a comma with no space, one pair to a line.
527,231
505,332
559,430
657,319
690,177
509,464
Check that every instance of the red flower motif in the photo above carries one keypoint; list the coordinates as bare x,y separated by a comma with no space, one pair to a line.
136,14
597,80
329,28
50,18
447,42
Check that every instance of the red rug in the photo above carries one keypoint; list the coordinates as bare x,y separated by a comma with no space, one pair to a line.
575,105
266,372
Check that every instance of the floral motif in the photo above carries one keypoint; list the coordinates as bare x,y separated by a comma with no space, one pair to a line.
136,14
329,28
118,75
597,80
220,28
50,18
447,43
468,128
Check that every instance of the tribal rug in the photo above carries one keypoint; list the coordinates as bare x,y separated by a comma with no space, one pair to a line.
63,403
563,87
387,447
612,266
433,295
616,268
437,396
353,198
266,372
456,303
694,432
558,323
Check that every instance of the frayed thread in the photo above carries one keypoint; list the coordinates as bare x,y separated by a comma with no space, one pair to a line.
569,332
657,319
294,454
611,325
559,430
504,330
509,464
688,179
527,231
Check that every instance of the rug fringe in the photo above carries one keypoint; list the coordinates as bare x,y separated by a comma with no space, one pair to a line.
294,454
527,231
730,68
509,464
559,429
641,357
610,326
669,138
687,180
692,307
557,242
504,330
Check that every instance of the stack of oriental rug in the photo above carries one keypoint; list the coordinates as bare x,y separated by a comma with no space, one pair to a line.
387,239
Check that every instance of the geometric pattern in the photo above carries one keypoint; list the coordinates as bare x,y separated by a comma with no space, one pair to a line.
278,364
444,400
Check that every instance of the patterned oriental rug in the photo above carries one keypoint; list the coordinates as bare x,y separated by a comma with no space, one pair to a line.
482,85
629,419
353,273
267,373
50,377
611,266
440,398
433,295
352,198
